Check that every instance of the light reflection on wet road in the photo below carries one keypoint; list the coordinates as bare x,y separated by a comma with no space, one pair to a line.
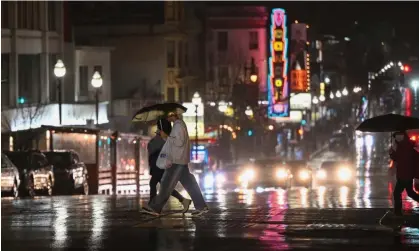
319,219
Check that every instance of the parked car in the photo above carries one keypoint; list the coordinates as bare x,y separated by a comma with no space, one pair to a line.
35,169
70,173
10,177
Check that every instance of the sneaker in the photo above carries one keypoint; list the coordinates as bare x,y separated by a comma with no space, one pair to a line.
200,212
149,210
186,203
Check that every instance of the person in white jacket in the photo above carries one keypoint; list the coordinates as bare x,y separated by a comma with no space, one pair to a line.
177,171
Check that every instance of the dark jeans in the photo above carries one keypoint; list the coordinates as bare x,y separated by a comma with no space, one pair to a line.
177,173
401,185
156,178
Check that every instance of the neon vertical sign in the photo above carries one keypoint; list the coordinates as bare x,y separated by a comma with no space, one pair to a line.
278,85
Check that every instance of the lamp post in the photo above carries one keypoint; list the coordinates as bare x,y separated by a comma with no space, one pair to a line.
59,72
97,82
196,100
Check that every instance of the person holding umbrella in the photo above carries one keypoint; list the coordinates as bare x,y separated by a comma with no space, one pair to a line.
177,170
154,147
403,154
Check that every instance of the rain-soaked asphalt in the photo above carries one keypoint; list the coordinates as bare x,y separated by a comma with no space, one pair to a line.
297,219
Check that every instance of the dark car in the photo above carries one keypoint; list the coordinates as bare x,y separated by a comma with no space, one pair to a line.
70,173
35,171
301,174
335,173
264,173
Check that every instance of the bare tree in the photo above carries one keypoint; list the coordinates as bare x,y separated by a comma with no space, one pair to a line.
24,114
29,113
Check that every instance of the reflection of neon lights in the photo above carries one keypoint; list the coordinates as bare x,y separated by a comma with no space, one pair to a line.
278,24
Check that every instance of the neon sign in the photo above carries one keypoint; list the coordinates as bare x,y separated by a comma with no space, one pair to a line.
278,85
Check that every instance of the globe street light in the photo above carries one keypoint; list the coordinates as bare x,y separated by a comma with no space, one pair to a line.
196,100
59,72
338,94
327,80
345,92
331,96
322,98
222,106
97,82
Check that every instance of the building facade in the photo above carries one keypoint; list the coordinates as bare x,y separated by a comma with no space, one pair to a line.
234,37
31,43
155,56
34,37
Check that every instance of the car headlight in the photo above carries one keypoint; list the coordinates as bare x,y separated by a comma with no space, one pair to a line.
344,173
209,180
304,175
281,173
220,178
321,174
247,175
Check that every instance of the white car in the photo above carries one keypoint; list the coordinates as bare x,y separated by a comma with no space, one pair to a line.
10,179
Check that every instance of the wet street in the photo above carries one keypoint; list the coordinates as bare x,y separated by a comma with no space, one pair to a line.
322,218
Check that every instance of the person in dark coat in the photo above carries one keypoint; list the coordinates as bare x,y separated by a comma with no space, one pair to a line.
403,156
154,147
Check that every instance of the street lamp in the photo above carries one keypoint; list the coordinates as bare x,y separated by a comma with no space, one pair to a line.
59,72
97,82
345,92
196,100
222,106
322,98
315,100
327,80
248,111
338,94
253,78
331,96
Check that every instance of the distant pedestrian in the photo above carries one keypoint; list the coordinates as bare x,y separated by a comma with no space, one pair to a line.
154,147
178,170
403,155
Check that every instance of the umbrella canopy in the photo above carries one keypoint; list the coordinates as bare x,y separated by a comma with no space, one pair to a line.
154,112
389,123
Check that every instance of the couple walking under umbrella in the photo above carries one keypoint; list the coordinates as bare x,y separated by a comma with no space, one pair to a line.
175,169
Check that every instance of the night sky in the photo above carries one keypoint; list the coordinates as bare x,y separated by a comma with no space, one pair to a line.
338,18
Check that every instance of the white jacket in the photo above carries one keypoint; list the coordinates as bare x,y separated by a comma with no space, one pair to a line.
179,143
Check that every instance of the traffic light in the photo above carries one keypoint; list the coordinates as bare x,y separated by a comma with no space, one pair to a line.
406,68
249,133
21,100
303,122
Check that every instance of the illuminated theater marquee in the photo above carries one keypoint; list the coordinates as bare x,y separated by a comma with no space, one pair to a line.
278,86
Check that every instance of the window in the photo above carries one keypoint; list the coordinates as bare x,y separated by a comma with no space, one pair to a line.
29,77
179,10
222,37
253,40
171,94
21,15
223,75
186,61
181,94
83,80
5,79
170,11
4,14
186,93
180,55
170,50
52,19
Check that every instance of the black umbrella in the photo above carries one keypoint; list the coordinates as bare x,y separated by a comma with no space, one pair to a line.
389,123
153,112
